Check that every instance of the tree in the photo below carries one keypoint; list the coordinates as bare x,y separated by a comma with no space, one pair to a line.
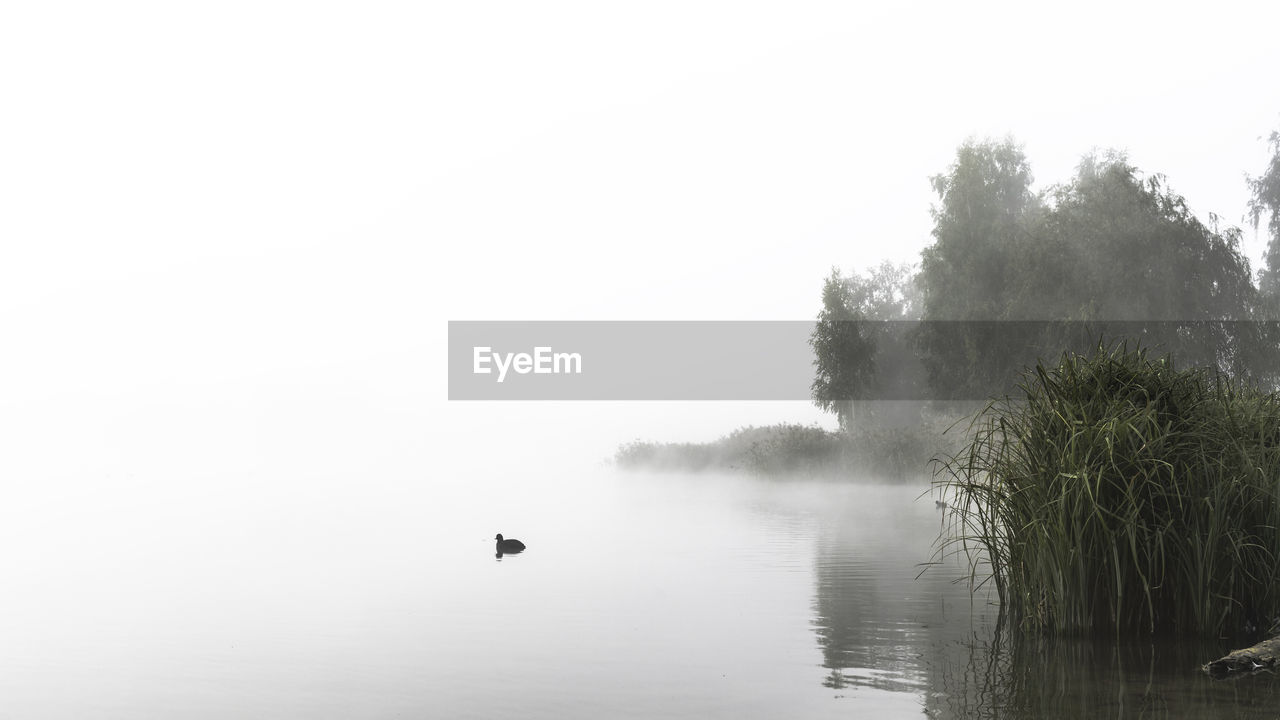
844,356
887,292
1266,200
1130,250
888,295
1140,254
985,201
985,208
1110,245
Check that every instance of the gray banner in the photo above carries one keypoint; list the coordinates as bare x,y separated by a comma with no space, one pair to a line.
641,360
718,360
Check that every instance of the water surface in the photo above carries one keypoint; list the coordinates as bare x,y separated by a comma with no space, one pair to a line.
678,596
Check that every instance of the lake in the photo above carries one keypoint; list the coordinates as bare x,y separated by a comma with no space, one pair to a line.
639,596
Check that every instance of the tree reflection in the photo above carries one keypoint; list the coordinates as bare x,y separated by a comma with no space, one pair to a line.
871,615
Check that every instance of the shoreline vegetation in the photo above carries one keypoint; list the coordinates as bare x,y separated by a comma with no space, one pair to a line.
1115,493
885,451
1105,490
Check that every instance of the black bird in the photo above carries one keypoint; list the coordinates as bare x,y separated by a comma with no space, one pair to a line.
508,546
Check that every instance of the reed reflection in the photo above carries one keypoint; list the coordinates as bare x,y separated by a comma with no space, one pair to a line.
996,675
881,624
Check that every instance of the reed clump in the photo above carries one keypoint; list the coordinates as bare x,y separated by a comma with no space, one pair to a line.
1115,493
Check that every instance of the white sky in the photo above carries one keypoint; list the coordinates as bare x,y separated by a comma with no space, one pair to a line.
279,200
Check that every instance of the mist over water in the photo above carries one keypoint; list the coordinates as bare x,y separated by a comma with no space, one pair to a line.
332,573
689,596
233,240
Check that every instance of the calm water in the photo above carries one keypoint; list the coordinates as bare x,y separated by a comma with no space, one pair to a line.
639,596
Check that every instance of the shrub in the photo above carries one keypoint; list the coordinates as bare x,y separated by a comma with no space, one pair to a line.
789,449
1116,493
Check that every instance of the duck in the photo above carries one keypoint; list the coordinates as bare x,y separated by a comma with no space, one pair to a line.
508,546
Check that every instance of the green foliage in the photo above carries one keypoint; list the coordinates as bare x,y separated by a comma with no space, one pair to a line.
862,342
887,292
985,206
1266,201
1110,245
1118,494
791,449
805,450
670,457
1130,249
843,355
786,448
980,231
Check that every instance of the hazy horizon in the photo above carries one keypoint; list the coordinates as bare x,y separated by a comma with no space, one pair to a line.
235,234
303,212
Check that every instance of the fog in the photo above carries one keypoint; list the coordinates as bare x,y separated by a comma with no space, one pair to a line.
240,203
234,236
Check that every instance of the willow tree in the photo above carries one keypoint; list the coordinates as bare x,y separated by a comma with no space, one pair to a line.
1110,245
1130,249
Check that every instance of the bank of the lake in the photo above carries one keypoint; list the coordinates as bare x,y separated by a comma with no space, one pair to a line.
1117,493
872,448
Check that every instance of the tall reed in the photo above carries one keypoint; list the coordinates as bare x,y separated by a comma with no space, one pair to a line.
1116,493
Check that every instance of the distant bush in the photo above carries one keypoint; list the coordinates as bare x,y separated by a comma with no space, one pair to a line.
670,456
1115,493
790,449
